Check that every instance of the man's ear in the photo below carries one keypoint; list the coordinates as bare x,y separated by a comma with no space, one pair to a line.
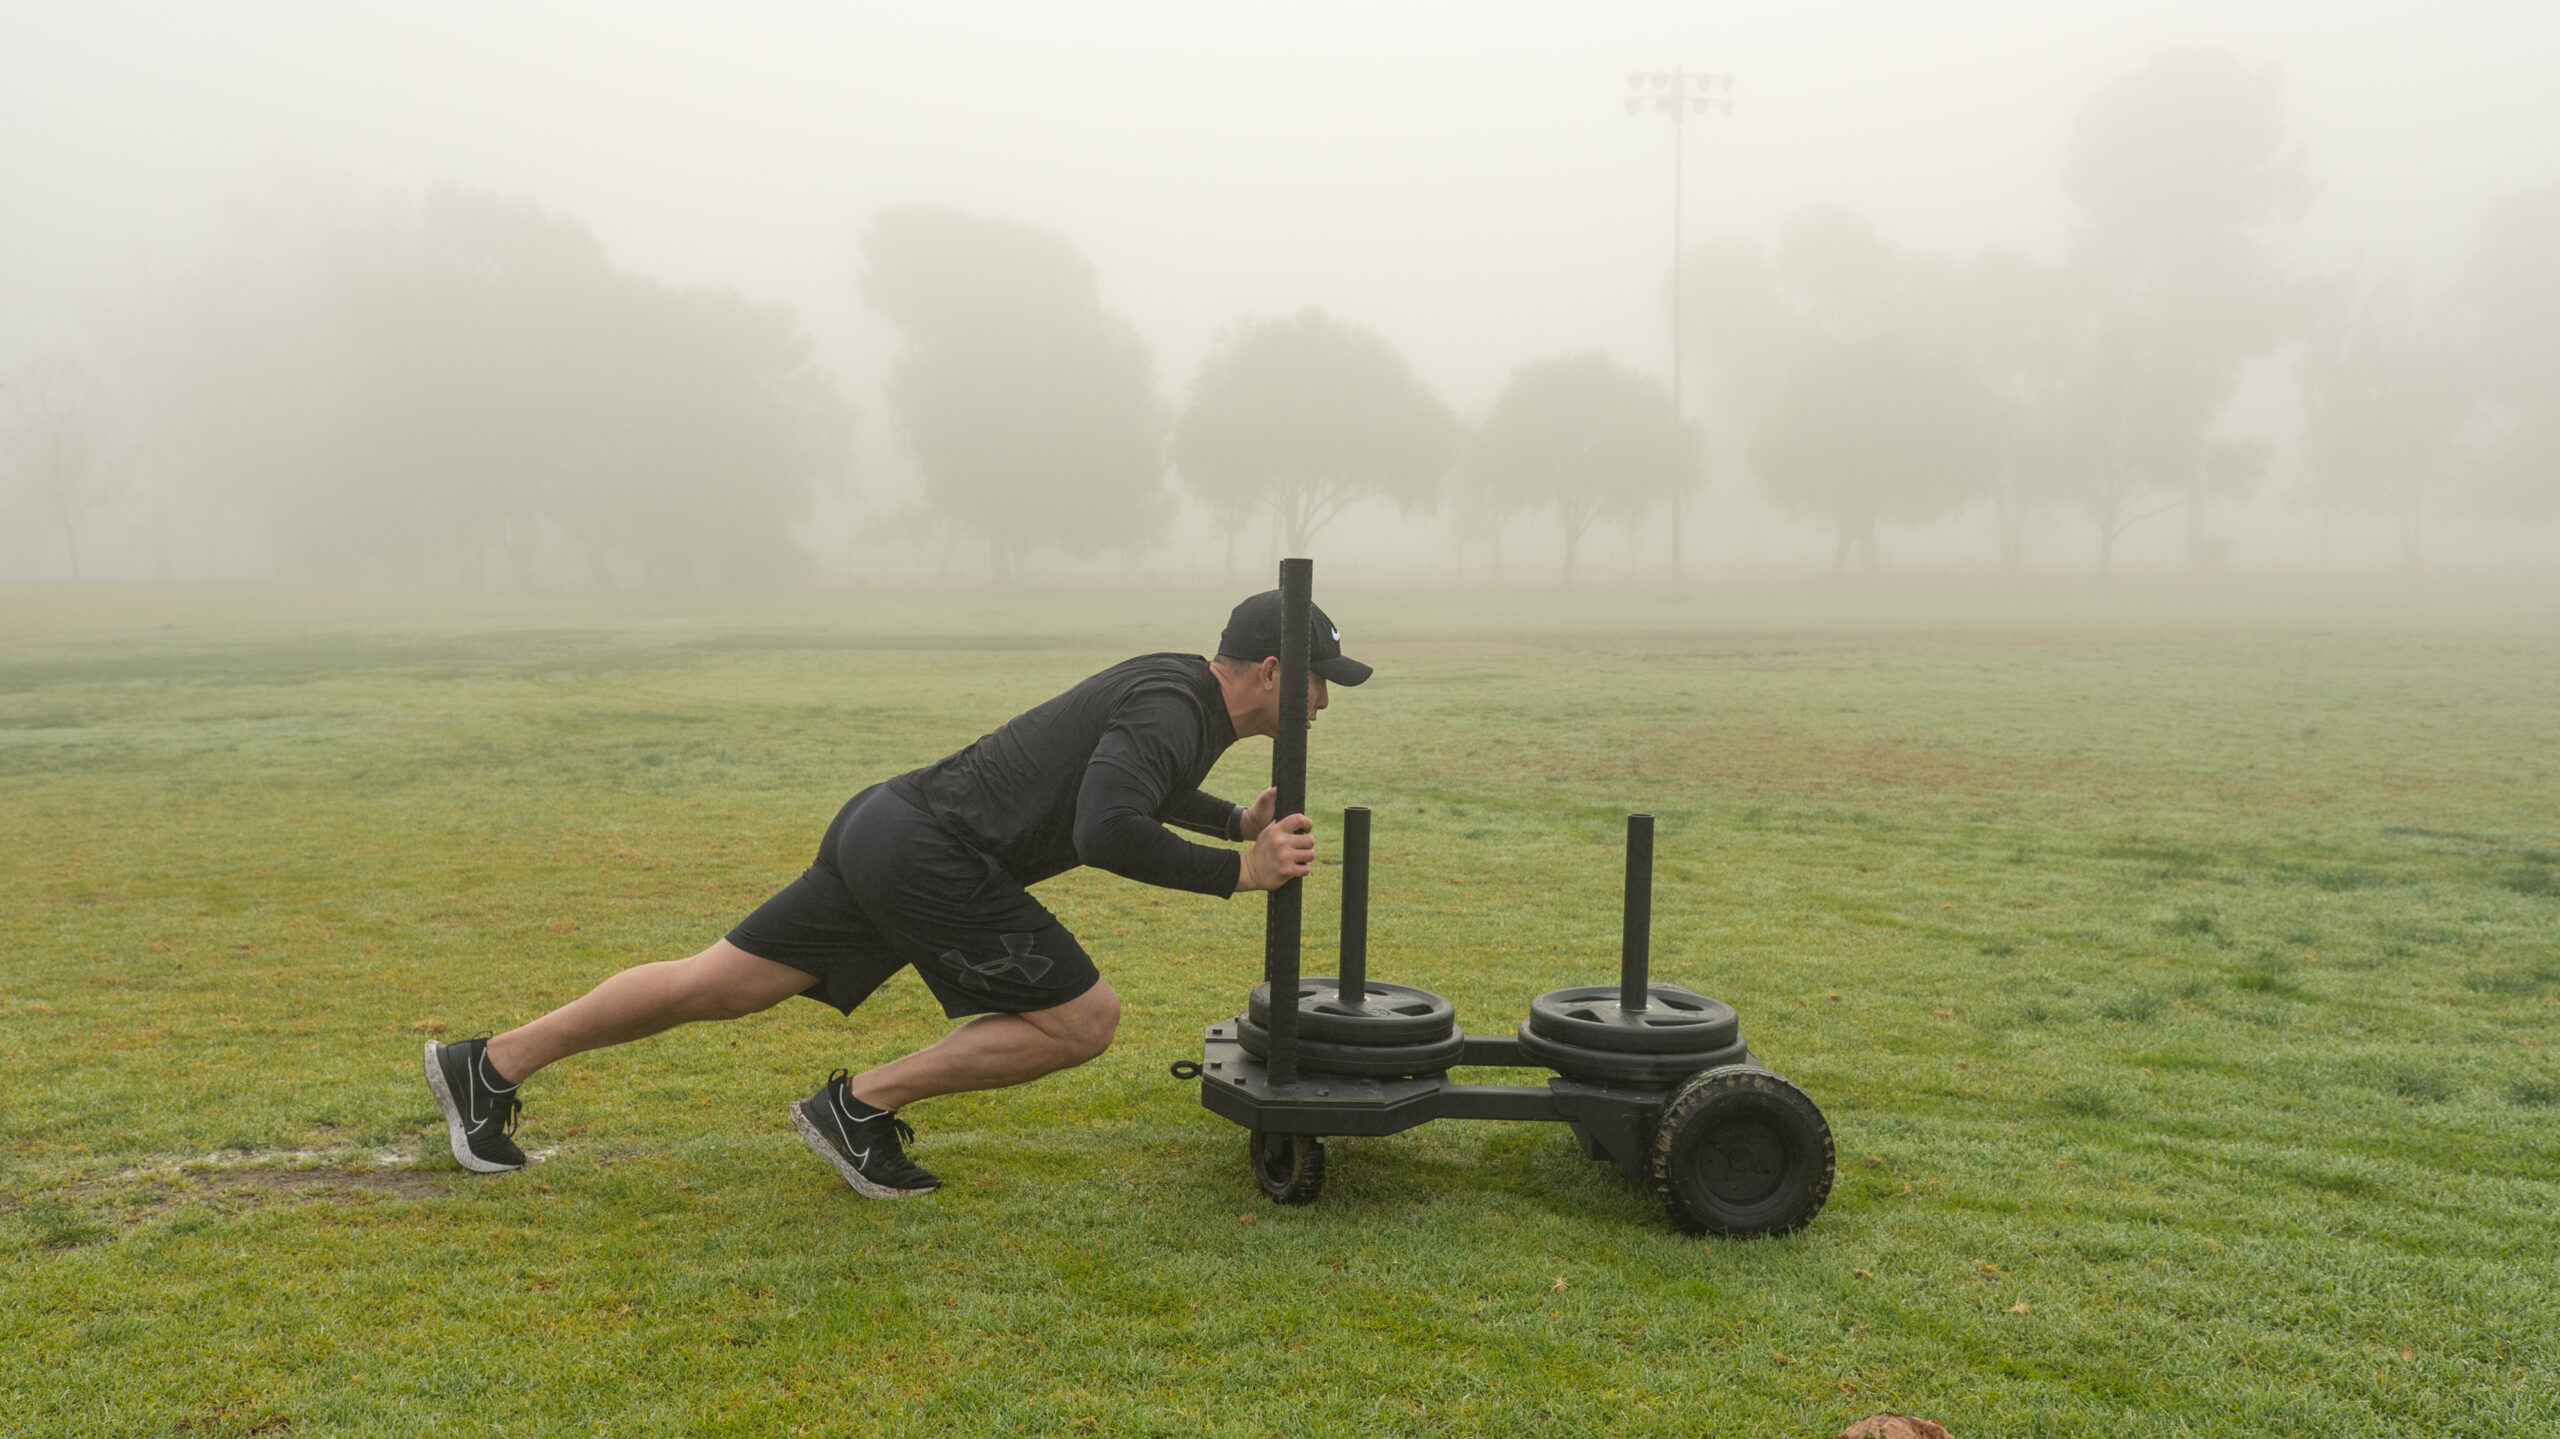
1270,668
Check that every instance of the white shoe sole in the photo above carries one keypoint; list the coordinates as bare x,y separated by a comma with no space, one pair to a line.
817,1141
453,1130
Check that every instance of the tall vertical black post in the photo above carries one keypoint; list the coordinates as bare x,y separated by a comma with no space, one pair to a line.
1353,986
1635,946
1281,921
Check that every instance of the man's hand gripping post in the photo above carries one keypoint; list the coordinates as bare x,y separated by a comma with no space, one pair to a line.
1282,851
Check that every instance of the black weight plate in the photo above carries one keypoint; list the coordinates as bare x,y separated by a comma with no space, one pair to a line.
1393,1013
1371,1061
1674,1020
1606,1066
1742,1152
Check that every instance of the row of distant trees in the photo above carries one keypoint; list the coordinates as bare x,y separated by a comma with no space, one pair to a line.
1861,383
435,392
1867,383
1034,418
425,395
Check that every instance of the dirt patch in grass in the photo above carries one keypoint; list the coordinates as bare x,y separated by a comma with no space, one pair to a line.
325,1183
63,1215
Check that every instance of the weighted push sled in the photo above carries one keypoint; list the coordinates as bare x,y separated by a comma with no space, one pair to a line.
1651,1077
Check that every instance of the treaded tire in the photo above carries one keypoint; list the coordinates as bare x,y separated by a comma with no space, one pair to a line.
1288,1167
1676,1021
1392,1014
1391,1061
1742,1153
1600,1066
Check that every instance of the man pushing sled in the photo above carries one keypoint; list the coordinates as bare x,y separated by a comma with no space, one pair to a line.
933,869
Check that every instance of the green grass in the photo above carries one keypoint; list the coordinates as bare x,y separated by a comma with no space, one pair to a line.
2179,972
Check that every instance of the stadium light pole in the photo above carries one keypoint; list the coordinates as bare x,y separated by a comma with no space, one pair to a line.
1676,95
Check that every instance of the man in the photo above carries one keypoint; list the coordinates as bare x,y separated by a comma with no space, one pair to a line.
932,869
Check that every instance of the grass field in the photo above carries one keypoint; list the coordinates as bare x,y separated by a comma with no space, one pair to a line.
2179,970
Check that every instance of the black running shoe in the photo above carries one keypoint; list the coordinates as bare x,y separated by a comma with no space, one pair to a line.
479,1116
865,1151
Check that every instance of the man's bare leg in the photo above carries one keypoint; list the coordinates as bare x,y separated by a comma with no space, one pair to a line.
853,1124
995,1050
722,982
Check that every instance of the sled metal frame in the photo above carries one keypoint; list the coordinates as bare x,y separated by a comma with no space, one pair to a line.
1614,1123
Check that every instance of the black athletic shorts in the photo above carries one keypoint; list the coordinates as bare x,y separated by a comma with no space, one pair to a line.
891,888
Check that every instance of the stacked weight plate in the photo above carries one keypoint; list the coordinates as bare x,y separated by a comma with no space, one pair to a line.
1356,1025
1587,1033
1386,1031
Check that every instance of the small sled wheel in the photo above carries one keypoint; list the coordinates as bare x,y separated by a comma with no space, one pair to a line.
1743,1153
1289,1167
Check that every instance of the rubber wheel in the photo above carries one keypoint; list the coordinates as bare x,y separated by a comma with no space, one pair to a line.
1289,1167
1391,1013
1384,1061
1645,1071
1674,1021
1742,1153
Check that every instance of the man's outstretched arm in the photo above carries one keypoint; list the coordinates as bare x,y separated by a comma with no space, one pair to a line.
1205,813
1116,830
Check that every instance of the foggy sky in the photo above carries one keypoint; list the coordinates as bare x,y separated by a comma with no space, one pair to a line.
1461,178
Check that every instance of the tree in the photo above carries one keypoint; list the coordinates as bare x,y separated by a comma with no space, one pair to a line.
1308,417
414,388
1871,431
704,386
1748,329
1031,411
2121,432
2384,403
2181,172
2016,333
2508,301
1584,438
1854,284
1835,282
62,447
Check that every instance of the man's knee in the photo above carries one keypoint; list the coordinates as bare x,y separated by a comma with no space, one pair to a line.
1082,1027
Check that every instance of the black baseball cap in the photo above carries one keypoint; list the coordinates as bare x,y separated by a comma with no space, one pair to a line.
1253,633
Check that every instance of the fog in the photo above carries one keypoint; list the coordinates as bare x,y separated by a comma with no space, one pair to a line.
567,296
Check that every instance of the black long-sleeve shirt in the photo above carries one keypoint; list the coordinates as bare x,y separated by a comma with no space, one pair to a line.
1093,776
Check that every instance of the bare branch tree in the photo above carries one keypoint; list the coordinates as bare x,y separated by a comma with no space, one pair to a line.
62,446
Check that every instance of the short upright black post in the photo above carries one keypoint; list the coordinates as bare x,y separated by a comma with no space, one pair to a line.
1635,947
1280,927
1353,985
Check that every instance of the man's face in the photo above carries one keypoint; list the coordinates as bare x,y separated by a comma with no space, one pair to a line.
1317,697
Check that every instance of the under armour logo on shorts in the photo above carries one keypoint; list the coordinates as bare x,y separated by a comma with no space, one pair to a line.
1017,958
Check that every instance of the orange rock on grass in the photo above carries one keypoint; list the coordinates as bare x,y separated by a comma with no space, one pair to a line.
1894,1426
